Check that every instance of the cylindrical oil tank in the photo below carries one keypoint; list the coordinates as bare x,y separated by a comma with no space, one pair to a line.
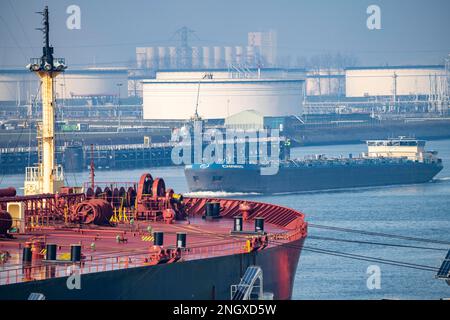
218,57
197,57
239,55
161,100
172,57
92,81
16,85
151,58
206,53
141,57
229,56
250,56
162,58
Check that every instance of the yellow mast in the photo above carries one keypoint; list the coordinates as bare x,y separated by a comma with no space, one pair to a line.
46,177
48,134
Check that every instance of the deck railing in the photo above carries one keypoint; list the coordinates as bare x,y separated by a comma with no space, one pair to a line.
48,270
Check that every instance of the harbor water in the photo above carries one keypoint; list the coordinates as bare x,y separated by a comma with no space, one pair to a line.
419,211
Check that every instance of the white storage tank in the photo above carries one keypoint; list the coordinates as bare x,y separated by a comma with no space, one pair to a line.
17,85
162,58
93,81
399,80
218,57
172,57
141,57
197,59
325,82
250,56
173,95
229,56
206,52
151,58
240,56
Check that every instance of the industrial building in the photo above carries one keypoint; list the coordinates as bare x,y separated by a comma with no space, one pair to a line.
252,120
218,94
245,120
270,91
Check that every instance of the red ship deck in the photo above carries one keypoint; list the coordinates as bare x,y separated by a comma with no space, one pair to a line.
131,245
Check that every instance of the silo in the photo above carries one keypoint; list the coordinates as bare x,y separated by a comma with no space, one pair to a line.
172,57
151,58
229,56
218,58
250,57
197,58
162,58
240,55
206,57
141,57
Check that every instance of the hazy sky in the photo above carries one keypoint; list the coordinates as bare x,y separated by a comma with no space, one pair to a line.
413,32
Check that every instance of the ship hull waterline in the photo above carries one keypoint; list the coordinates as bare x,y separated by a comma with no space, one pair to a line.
248,178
